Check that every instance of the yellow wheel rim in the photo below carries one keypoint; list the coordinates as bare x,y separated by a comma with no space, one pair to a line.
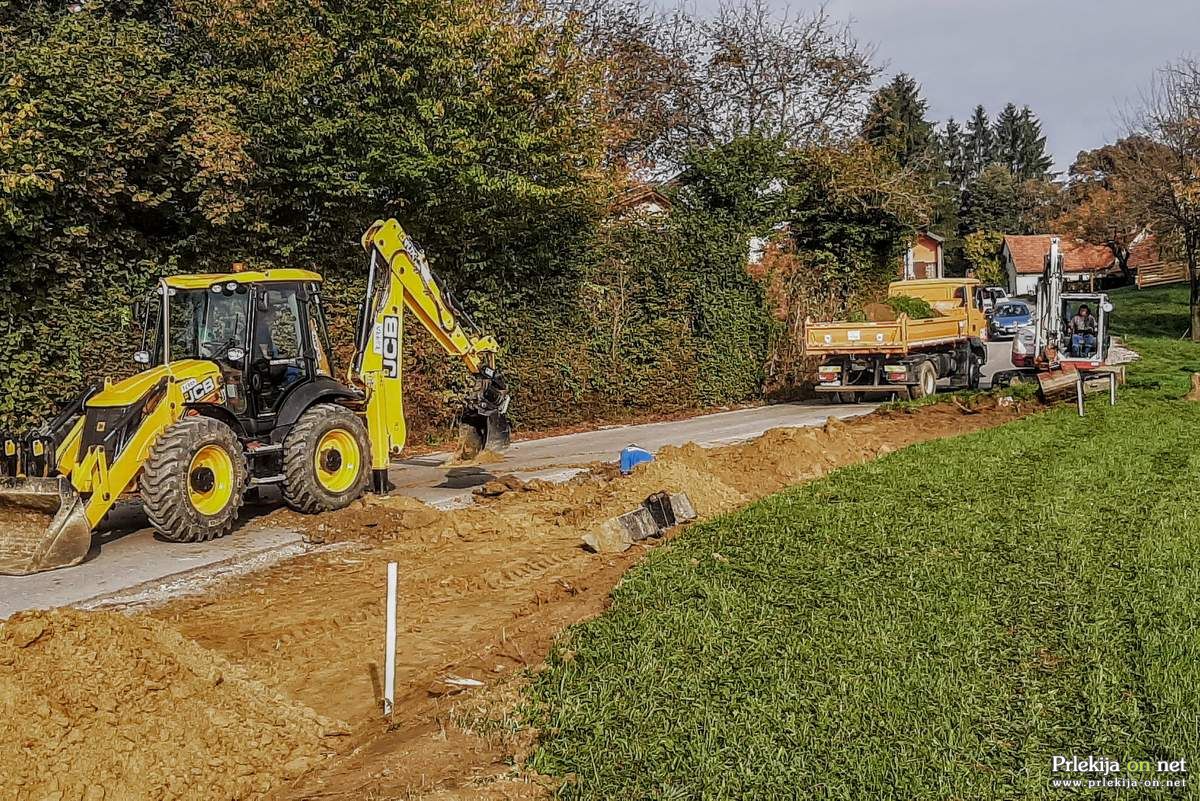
338,460
210,480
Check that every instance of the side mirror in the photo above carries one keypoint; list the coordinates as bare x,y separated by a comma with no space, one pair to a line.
142,357
235,356
1106,306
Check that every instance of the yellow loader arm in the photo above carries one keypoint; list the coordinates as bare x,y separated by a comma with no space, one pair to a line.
400,278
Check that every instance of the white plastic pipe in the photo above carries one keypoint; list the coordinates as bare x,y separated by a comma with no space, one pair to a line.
389,656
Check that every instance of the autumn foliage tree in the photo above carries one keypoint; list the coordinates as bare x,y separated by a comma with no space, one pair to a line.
1164,170
1102,201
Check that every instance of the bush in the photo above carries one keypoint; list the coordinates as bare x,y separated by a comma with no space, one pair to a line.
915,308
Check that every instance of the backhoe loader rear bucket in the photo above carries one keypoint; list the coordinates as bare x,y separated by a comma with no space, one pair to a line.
42,525
483,432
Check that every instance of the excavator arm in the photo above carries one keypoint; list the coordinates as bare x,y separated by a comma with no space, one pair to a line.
399,278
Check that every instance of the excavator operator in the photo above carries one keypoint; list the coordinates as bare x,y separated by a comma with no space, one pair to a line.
1083,332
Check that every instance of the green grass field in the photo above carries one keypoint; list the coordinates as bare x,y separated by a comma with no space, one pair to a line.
935,624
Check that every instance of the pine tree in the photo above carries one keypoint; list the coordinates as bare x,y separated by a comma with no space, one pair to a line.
954,153
1033,161
896,120
978,146
1007,136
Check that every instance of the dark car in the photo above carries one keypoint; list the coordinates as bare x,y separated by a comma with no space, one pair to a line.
1008,316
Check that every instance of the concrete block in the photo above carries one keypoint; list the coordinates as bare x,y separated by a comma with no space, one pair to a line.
656,514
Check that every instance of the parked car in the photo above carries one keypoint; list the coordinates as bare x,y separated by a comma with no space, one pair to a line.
1007,317
1023,346
990,297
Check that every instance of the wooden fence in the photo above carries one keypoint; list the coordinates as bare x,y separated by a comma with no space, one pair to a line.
1162,272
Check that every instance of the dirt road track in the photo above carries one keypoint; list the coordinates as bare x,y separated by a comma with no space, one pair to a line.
484,593
131,556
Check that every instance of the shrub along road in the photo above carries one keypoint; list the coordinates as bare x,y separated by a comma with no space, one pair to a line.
935,624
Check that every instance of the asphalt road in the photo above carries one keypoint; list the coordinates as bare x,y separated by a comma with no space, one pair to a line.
132,564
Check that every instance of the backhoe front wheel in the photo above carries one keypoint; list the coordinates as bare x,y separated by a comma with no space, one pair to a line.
326,459
194,481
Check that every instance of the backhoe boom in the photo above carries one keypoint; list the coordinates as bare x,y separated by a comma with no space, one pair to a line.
399,278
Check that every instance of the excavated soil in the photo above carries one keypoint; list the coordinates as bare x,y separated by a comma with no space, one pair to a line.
100,705
484,591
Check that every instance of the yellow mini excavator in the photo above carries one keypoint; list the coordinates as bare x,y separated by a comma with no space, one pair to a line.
238,392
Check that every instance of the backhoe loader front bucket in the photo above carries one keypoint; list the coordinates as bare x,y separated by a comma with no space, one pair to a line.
42,525
483,432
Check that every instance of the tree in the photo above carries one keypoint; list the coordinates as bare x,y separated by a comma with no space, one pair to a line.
752,72
979,146
1102,206
1018,143
954,153
1033,162
629,45
1006,138
981,251
998,201
849,210
1165,174
896,121
990,202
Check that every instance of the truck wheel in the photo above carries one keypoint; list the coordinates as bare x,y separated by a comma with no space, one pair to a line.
194,481
974,372
326,459
926,381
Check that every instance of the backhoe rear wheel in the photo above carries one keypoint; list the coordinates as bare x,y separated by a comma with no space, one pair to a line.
326,458
194,482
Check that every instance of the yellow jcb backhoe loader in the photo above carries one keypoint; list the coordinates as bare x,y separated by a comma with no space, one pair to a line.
239,392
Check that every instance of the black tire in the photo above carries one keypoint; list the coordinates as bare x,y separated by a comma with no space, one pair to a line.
171,482
974,372
303,488
926,381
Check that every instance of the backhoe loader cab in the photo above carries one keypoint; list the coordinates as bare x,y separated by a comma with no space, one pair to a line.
239,392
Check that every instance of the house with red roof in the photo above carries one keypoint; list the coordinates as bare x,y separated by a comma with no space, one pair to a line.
1025,259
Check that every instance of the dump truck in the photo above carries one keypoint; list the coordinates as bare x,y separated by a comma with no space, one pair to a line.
899,355
238,391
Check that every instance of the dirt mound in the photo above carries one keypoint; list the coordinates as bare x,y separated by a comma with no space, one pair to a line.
715,479
100,705
483,592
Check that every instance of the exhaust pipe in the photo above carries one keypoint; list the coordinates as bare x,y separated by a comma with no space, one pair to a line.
43,525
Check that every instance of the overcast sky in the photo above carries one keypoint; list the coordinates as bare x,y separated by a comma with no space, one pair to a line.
1074,62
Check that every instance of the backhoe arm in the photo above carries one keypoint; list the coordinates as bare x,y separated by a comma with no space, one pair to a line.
399,277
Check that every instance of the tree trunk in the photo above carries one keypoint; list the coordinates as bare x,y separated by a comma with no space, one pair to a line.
1194,300
1122,255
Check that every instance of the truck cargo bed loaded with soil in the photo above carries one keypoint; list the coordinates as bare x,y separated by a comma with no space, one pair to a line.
893,351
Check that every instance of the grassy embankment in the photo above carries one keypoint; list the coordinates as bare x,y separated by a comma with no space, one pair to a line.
935,624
